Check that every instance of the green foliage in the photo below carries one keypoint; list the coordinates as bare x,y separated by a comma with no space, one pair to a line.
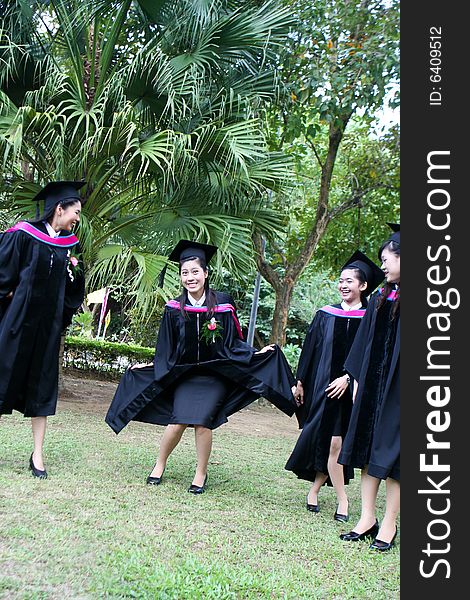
339,58
5,220
105,358
186,119
373,164
366,178
338,68
292,354
314,289
82,325
156,106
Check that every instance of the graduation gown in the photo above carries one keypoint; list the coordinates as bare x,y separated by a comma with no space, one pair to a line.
147,393
324,351
47,290
373,437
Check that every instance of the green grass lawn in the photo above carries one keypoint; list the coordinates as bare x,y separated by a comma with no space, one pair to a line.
95,530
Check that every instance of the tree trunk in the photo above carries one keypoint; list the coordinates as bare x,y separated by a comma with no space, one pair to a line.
281,312
258,341
284,286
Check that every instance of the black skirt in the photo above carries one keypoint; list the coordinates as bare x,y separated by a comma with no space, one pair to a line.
198,398
339,419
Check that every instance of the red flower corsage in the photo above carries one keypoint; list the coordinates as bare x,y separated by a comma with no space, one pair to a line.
211,331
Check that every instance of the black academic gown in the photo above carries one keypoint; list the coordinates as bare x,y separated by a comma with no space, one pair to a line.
373,437
43,303
324,351
146,393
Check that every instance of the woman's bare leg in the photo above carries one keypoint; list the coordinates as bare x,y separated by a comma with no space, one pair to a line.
388,526
336,473
170,439
38,426
320,479
369,490
203,437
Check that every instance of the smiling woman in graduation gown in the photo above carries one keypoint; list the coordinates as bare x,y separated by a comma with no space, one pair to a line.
325,348
145,393
324,384
372,442
40,289
374,435
200,375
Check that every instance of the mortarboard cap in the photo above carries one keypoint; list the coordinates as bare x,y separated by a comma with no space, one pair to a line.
58,191
185,249
395,237
374,274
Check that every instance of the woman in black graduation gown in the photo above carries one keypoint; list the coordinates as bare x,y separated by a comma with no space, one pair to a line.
41,286
373,439
323,385
203,371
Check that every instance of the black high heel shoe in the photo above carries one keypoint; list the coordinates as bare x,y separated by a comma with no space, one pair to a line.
155,480
313,507
36,472
339,517
198,489
353,536
383,546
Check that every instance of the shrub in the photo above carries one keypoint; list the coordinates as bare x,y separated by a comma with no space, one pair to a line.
103,358
292,354
82,324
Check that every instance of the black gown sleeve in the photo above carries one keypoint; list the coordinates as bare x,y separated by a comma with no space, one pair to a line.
312,341
355,357
10,260
10,254
167,345
74,288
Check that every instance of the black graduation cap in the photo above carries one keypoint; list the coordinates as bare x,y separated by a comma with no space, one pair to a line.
395,237
374,274
58,191
185,249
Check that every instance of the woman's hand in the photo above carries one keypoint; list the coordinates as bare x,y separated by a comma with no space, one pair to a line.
268,348
298,393
9,296
337,387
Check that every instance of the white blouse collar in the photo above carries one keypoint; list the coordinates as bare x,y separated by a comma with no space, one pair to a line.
347,308
52,232
195,302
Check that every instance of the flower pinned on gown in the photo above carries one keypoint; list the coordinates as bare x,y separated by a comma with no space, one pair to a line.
211,331
73,265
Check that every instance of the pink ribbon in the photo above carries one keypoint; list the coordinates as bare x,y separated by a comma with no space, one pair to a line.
65,241
392,296
218,308
339,312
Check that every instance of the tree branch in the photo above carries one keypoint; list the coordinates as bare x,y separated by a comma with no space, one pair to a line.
313,147
266,270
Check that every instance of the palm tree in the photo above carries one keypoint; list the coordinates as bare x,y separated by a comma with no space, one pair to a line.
155,105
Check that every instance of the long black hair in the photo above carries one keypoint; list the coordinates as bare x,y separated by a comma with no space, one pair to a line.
49,213
211,299
394,247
